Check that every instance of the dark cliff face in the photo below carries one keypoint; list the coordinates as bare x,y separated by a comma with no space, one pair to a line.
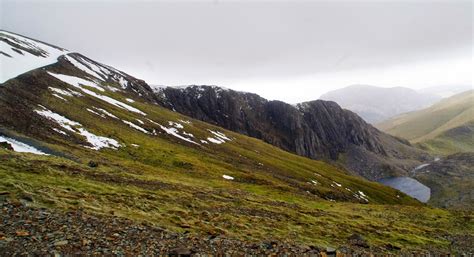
317,129
339,129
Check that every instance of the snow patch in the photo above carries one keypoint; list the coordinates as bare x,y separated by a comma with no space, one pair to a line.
105,112
83,67
135,126
176,124
188,134
64,92
21,147
220,135
130,100
77,82
361,196
215,140
59,119
96,113
228,177
174,132
60,131
60,97
185,121
97,142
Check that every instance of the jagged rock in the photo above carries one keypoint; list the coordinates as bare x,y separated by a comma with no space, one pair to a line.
317,129
358,240
6,145
93,164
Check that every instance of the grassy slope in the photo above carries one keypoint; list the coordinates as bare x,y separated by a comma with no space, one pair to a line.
181,201
433,121
460,139
180,186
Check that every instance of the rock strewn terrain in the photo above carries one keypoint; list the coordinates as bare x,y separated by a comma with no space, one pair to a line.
37,231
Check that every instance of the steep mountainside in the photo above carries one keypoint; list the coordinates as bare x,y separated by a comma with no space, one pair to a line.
376,104
317,129
89,139
450,120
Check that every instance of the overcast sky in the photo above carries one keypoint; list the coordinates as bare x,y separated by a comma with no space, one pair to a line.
286,50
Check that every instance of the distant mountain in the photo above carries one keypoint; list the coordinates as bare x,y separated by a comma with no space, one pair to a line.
376,104
446,126
316,129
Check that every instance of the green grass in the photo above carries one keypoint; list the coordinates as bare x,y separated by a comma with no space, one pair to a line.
222,207
179,185
451,142
429,123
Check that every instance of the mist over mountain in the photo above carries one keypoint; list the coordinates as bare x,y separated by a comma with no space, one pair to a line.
446,90
376,104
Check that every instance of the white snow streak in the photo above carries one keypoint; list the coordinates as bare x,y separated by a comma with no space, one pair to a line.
174,132
97,142
135,126
228,177
77,82
21,147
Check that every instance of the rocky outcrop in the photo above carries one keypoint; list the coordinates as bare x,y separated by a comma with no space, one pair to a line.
6,145
317,129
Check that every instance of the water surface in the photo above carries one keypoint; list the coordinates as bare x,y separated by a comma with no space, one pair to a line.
409,186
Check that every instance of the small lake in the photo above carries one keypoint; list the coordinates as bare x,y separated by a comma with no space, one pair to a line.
409,186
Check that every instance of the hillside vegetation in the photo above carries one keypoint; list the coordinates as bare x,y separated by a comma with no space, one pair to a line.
103,148
445,127
180,186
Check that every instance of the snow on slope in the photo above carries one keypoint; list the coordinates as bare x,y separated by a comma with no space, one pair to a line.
98,71
20,147
97,142
79,83
20,54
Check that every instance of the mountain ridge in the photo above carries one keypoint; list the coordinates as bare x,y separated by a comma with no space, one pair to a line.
315,129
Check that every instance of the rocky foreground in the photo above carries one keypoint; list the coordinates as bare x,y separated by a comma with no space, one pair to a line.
33,231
